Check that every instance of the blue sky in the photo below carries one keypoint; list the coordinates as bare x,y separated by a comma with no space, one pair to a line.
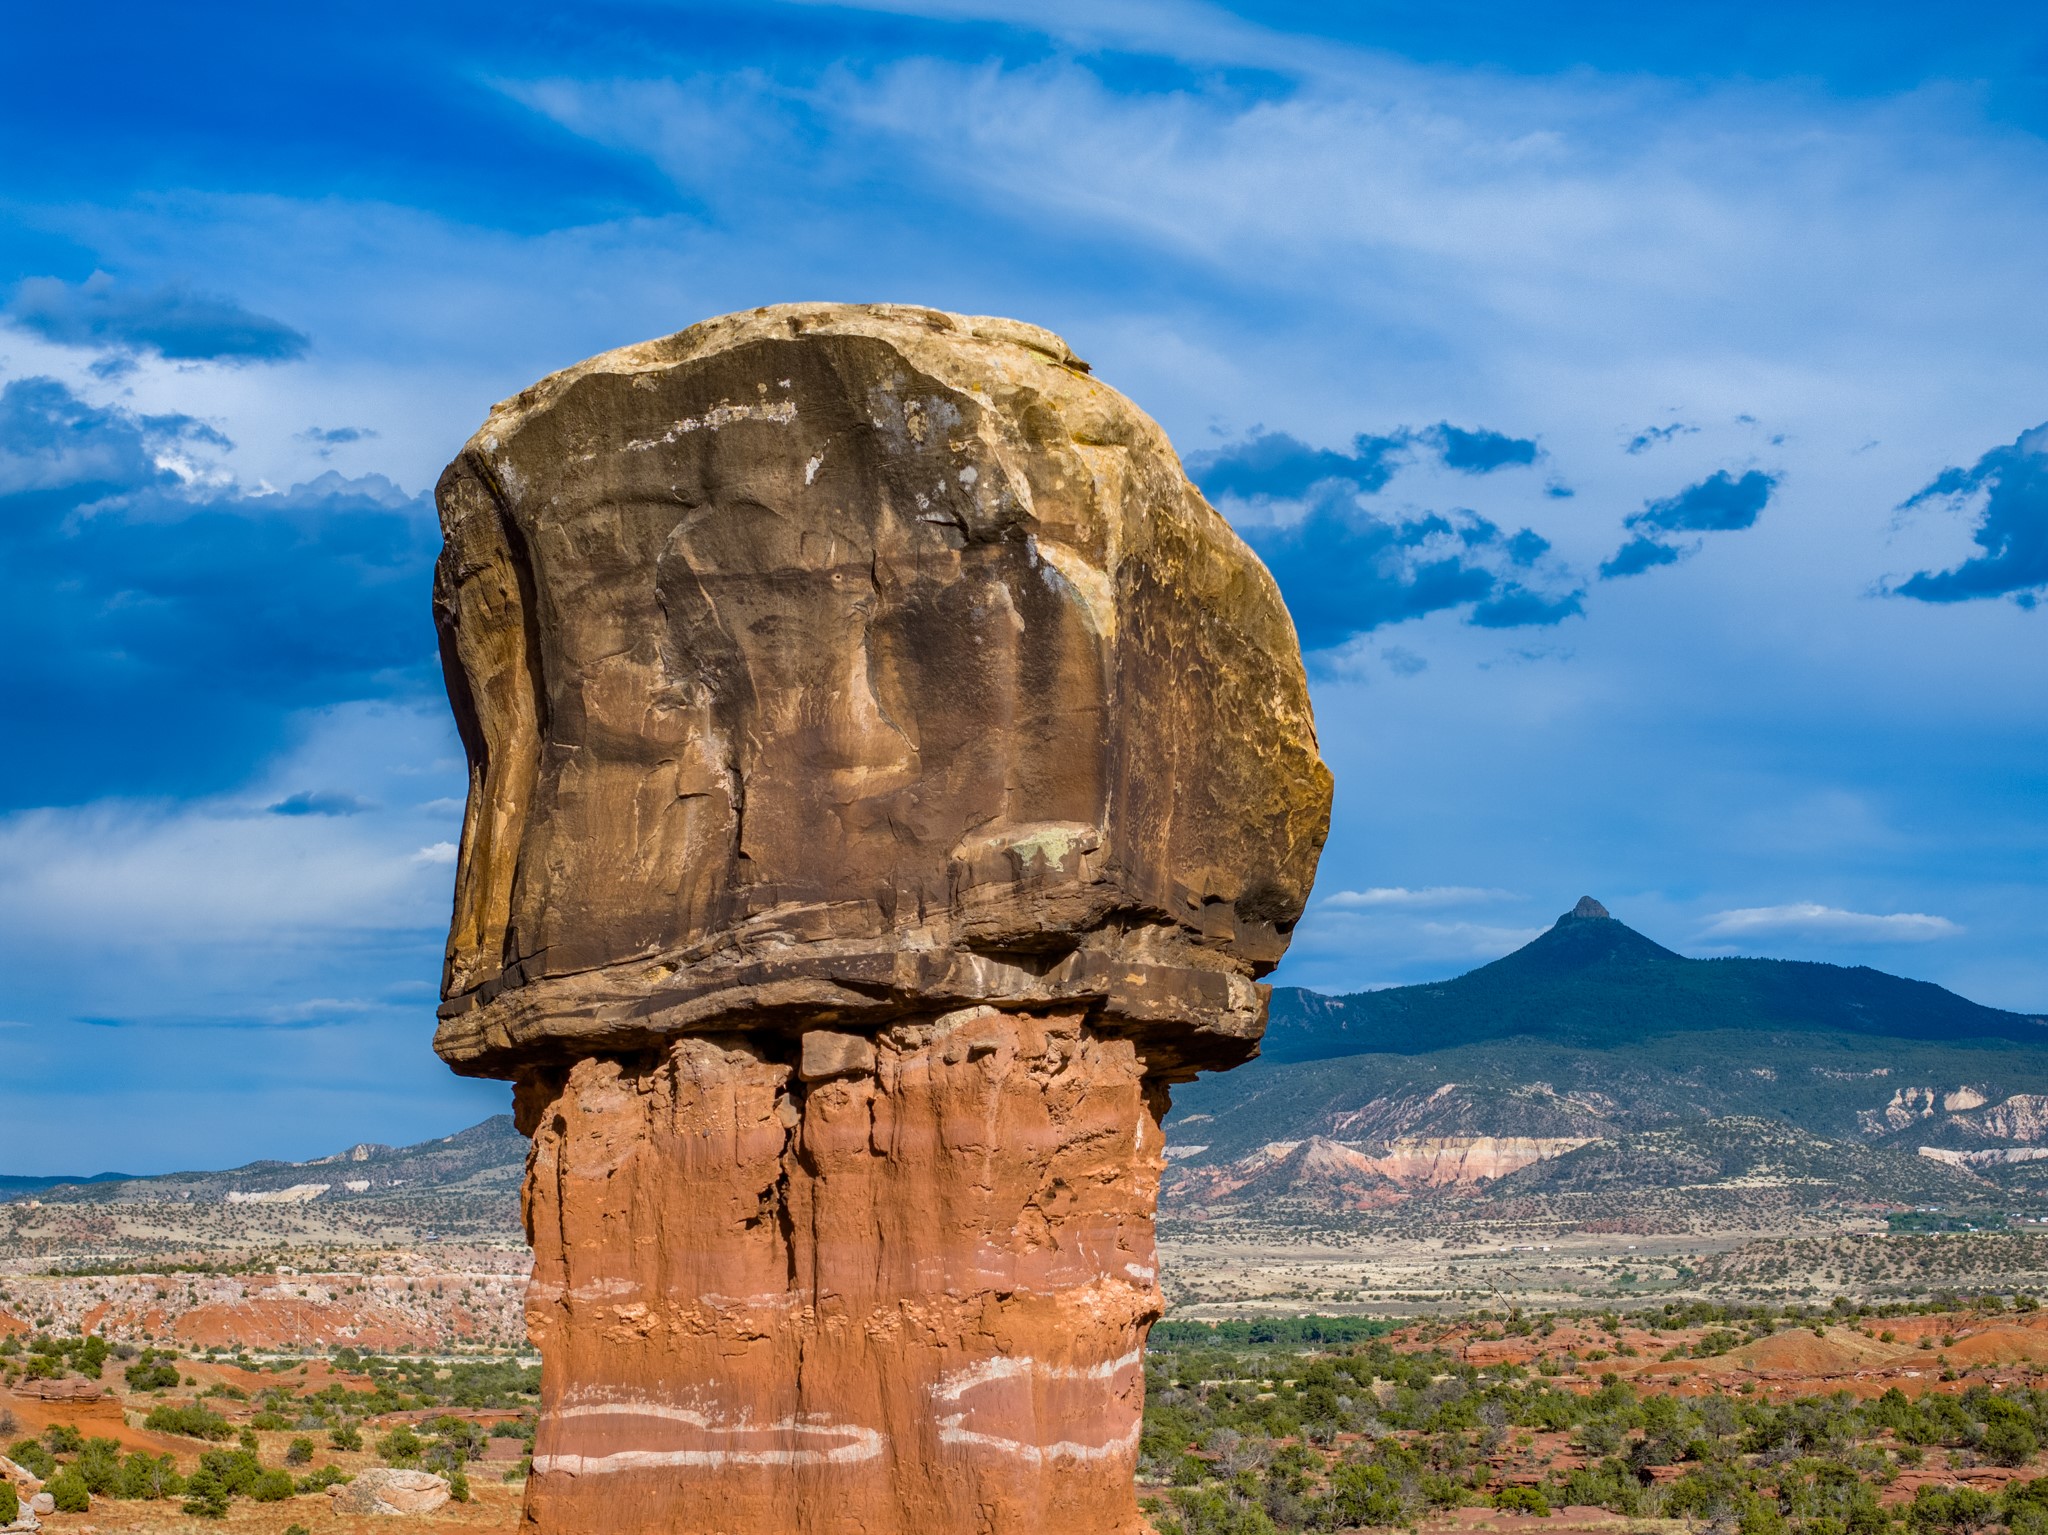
1644,414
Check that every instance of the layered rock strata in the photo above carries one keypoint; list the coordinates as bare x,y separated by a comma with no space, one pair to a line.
887,776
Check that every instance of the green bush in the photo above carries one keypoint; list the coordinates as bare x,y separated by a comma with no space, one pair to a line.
299,1452
151,1375
149,1476
191,1420
401,1447
1522,1500
296,1529
458,1485
99,1466
345,1437
63,1439
33,1456
272,1485
10,1502
69,1492
322,1479
2009,1441
206,1495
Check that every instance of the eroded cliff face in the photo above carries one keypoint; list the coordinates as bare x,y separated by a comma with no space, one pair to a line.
909,1294
887,776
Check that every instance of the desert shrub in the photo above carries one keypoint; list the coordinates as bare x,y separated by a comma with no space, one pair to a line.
99,1466
2010,1441
1522,1500
270,1421
33,1456
458,1485
149,1476
299,1452
1949,1511
206,1495
68,1490
296,1529
272,1485
63,1439
1367,1493
322,1479
401,1447
1211,1512
10,1502
190,1419
151,1374
236,1470
345,1436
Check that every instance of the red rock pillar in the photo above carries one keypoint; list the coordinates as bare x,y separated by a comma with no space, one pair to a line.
910,1293
887,775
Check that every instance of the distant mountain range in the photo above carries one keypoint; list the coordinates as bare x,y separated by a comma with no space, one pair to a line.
1594,1076
485,1159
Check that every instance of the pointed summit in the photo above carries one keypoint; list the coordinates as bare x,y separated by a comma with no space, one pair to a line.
1588,907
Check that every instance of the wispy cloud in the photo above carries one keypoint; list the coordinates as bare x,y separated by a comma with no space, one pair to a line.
1805,919
170,321
1397,897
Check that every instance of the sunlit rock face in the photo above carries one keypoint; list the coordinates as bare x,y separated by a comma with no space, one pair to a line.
887,776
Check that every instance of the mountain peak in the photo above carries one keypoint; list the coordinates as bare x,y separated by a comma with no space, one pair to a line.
1588,907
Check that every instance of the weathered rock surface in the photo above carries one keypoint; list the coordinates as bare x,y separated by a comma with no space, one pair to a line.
385,1490
903,1297
887,776
842,661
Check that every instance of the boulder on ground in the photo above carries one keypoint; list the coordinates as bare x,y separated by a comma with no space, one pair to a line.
382,1490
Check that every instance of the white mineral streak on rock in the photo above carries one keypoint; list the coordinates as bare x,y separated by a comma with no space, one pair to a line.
953,1427
781,412
858,1444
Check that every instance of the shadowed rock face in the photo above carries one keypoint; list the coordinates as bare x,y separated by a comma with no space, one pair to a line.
887,775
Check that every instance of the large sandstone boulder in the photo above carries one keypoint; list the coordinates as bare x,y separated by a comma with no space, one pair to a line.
831,662
887,776
387,1490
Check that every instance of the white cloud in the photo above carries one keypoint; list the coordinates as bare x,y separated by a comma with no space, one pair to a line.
222,873
1396,897
1805,919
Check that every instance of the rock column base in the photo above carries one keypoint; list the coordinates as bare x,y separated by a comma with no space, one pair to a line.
893,1284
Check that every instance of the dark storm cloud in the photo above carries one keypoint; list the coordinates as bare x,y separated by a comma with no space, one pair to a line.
161,630
171,321
2012,526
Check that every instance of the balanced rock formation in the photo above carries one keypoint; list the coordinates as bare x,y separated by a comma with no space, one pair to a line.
887,776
